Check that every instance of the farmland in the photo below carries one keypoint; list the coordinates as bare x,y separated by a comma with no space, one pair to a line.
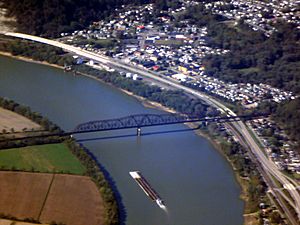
41,158
10,120
47,198
77,193
21,190
10,222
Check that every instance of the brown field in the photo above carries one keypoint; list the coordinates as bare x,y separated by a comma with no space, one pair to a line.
22,194
77,195
251,219
10,222
9,119
72,200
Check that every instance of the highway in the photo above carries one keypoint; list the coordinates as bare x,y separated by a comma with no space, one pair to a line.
267,165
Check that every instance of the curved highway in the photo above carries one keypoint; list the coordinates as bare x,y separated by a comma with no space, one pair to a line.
267,164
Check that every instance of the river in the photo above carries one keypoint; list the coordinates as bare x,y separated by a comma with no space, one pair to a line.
194,180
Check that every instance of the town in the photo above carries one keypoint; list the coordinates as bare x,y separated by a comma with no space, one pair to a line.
177,51
171,51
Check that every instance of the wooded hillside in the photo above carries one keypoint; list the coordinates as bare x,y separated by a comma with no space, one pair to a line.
52,17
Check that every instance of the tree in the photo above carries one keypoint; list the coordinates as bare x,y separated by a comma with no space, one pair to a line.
276,218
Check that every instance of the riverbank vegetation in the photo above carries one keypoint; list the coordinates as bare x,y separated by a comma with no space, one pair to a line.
26,112
252,183
47,127
35,51
114,208
64,157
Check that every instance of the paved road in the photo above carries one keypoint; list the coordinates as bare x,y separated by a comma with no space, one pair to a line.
267,178
267,165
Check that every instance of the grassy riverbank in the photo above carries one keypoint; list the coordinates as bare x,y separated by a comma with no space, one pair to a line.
41,158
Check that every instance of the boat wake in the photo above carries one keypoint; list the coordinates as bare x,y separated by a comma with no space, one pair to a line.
165,209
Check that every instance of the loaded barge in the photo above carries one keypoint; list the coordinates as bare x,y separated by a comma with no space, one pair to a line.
149,191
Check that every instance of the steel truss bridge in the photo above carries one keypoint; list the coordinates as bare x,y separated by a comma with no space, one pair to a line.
146,120
139,121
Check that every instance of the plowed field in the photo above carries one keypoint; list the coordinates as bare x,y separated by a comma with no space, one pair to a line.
70,199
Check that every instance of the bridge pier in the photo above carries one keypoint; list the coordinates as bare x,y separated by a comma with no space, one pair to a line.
138,132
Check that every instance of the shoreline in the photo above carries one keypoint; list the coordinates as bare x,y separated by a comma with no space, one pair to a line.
149,104
26,59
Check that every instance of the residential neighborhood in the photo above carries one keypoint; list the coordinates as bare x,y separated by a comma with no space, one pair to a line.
259,15
277,144
178,51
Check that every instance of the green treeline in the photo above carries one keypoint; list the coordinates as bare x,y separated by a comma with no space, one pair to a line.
112,208
174,99
35,51
52,17
247,170
25,111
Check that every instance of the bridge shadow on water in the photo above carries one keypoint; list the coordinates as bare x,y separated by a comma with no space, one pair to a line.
134,135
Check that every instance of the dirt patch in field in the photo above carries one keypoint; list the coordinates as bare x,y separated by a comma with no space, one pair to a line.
23,194
79,195
9,120
70,199
10,222
251,219
5,222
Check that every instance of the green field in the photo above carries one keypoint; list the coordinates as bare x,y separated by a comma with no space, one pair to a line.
42,158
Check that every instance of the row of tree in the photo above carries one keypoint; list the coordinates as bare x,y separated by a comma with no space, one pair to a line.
35,51
243,165
114,209
25,111
174,99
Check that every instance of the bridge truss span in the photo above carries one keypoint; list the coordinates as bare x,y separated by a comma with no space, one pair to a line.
133,121
146,120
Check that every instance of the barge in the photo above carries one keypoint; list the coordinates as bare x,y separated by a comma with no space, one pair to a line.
149,191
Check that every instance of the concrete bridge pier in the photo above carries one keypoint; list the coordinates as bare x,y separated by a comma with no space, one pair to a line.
138,132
